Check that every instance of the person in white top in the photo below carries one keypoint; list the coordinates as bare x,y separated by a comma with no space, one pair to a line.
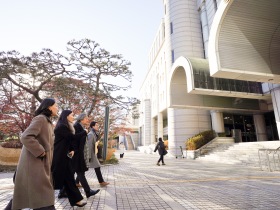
122,148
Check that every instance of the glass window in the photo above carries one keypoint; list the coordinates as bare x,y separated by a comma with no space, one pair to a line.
228,118
171,28
196,78
173,57
209,81
215,5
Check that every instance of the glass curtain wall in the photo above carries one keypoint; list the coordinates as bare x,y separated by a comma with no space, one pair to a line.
202,79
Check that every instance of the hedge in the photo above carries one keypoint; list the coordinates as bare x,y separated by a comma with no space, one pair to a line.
13,144
222,134
200,139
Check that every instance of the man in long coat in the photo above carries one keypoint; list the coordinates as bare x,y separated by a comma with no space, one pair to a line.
93,137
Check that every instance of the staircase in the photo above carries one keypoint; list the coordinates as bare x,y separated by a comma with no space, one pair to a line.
215,143
239,153
129,143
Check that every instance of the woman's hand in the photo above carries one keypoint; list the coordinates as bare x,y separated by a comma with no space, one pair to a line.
86,131
71,153
43,154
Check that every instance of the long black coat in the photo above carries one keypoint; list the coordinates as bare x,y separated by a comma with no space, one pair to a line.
160,147
63,144
78,161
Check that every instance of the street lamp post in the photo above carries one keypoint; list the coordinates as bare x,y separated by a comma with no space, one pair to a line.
106,129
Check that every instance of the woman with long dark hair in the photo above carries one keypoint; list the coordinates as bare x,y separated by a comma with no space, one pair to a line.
63,152
33,181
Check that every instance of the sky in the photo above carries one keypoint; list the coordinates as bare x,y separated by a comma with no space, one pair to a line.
124,27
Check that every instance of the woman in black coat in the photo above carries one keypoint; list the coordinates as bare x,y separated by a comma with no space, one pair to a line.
62,171
161,151
80,161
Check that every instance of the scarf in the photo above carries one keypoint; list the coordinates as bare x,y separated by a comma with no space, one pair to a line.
96,134
71,127
86,153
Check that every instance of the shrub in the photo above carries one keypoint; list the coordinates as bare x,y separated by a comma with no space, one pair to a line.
13,144
200,139
166,144
113,160
7,168
222,134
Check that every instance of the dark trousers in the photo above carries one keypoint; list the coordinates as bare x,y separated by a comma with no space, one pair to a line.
73,193
121,155
161,159
82,178
99,175
9,207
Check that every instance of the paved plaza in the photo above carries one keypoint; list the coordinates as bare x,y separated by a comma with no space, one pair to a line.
138,183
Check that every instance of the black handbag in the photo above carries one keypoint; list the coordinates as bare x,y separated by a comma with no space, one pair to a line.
165,152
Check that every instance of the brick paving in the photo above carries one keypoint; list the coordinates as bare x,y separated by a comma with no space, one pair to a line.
138,183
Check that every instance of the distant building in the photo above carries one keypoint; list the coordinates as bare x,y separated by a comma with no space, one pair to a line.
213,64
130,138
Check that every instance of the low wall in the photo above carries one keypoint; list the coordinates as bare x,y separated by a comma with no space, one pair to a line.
150,150
9,156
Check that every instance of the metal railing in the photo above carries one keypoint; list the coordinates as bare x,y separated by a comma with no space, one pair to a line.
125,142
267,152
132,141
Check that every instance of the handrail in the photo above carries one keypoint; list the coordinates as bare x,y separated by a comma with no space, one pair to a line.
132,141
125,142
267,152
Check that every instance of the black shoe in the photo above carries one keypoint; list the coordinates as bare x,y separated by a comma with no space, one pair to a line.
83,204
62,195
92,192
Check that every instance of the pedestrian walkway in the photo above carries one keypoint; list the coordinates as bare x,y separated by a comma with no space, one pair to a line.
138,183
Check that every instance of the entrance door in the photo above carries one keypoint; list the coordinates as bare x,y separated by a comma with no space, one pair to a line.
244,123
249,126
271,127
239,125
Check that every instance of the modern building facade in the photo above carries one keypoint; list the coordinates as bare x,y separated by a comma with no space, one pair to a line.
213,64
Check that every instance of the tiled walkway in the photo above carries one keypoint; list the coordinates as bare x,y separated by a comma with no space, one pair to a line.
138,183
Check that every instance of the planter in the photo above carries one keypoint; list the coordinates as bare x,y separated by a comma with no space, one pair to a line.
9,156
109,154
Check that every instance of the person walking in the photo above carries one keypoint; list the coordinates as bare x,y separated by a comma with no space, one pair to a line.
63,152
161,151
33,180
93,138
122,148
81,160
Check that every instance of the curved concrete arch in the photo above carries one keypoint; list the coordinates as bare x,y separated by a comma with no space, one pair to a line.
183,94
184,122
244,41
185,63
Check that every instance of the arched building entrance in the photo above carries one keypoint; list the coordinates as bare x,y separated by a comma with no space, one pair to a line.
194,96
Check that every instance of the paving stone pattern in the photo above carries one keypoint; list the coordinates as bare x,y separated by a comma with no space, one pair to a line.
138,183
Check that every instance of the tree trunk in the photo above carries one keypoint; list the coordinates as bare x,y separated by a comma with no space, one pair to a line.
33,105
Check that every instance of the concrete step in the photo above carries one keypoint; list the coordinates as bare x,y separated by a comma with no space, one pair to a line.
238,153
